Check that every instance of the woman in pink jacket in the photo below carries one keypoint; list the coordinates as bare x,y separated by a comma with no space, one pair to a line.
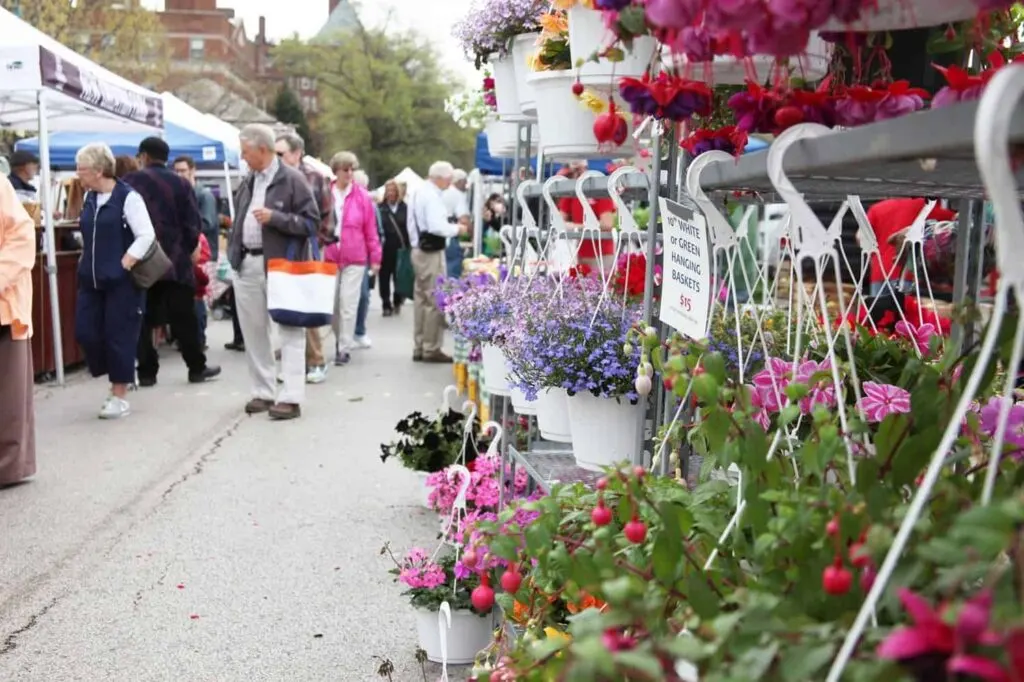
358,246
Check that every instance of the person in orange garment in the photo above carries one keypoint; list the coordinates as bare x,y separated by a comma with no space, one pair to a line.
888,218
572,212
17,414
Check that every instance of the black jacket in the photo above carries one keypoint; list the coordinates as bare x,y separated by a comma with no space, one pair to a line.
394,225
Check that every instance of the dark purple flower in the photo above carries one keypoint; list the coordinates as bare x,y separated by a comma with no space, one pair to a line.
638,97
612,5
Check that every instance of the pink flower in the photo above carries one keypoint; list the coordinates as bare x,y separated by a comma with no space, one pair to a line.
921,336
881,400
672,14
758,400
771,383
822,392
932,636
989,421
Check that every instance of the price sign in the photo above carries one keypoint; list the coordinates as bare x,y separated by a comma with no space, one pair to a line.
209,153
686,289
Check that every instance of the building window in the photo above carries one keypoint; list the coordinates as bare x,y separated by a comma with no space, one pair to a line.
304,84
196,49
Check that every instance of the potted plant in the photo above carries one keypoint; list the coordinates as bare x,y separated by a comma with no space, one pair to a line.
608,39
429,444
432,581
576,345
488,34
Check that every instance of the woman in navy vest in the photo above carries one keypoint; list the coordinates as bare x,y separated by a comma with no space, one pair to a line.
116,233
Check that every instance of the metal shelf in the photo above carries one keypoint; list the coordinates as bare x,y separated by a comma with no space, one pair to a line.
929,153
549,463
635,186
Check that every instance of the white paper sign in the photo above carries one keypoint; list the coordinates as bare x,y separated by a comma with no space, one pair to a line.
686,292
209,153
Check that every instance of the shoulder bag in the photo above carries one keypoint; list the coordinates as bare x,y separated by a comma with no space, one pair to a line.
301,293
429,242
152,267
405,276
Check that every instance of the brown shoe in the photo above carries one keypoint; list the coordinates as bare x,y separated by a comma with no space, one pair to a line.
417,356
437,357
258,406
284,411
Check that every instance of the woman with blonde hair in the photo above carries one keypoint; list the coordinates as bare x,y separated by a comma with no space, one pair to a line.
17,415
358,246
108,313
394,219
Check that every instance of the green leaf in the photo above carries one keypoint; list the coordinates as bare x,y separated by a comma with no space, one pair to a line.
641,662
703,600
806,662
714,364
756,661
788,414
706,387
665,557
634,20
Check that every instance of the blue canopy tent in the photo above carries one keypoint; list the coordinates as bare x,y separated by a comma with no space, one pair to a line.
207,152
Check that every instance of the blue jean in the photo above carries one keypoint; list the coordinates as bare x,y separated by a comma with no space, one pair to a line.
201,320
107,326
364,306
453,257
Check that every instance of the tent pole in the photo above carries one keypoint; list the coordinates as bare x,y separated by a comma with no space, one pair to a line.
50,240
231,197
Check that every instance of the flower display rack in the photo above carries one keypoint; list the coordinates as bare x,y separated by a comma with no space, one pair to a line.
928,153
549,463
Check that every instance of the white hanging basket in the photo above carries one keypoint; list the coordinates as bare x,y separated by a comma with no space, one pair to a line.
468,635
811,66
506,91
495,370
523,47
501,139
604,430
520,404
565,124
588,35
893,15
553,415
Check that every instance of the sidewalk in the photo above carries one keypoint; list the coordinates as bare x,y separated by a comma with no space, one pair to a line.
191,543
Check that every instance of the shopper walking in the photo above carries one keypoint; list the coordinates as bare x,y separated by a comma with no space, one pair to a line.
357,246
456,201
290,150
17,414
174,212
109,307
362,338
276,210
185,167
394,217
24,169
430,228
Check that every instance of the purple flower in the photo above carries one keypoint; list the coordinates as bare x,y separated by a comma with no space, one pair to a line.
612,5
735,15
1014,425
695,43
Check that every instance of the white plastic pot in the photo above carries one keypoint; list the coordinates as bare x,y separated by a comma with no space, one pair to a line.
501,139
893,15
506,91
495,377
565,124
604,430
553,415
588,35
520,404
468,635
523,48
811,66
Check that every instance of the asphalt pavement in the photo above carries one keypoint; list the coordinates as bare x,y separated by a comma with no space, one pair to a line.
190,543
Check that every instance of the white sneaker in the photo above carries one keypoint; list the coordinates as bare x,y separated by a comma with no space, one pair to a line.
363,342
115,408
317,375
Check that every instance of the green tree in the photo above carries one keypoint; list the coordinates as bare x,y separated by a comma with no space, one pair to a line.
288,109
123,36
382,96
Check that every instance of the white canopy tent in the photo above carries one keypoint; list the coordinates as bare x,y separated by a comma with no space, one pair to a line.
47,86
408,176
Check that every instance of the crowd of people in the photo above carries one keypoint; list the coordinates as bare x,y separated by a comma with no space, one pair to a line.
149,212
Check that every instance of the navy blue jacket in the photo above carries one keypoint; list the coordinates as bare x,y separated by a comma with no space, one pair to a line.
175,214
105,239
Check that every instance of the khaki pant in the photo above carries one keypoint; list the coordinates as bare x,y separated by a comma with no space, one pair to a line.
428,320
314,349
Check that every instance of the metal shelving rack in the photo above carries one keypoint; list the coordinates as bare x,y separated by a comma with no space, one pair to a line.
929,153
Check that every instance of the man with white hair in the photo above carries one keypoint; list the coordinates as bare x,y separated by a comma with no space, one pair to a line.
431,225
456,202
276,209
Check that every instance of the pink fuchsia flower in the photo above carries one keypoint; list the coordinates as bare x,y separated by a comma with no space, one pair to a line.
822,391
672,14
920,335
900,100
961,86
989,421
770,383
882,400
931,635
757,400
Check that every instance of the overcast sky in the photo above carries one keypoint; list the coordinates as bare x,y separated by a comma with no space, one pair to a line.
433,18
